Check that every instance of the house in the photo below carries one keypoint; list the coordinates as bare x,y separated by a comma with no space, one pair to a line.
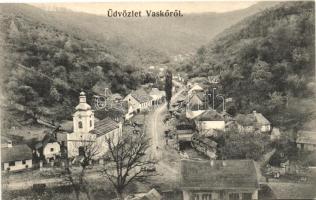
48,148
254,122
275,134
297,191
139,100
195,88
153,194
88,132
209,120
214,79
306,140
219,179
16,157
157,96
196,105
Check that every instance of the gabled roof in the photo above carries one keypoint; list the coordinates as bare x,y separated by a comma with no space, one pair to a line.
209,175
292,191
245,120
261,119
48,138
209,115
195,87
306,137
252,119
141,96
104,126
16,153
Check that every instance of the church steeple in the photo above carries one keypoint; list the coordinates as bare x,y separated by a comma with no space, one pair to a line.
83,118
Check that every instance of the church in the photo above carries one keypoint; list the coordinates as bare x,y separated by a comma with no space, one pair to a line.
87,130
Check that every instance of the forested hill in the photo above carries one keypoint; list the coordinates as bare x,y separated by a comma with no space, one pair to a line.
44,69
139,41
266,62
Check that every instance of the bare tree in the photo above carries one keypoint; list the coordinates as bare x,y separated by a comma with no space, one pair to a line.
128,161
88,151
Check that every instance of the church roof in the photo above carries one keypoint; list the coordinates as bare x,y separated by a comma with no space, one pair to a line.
104,126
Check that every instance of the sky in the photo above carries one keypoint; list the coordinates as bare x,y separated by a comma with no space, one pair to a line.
185,7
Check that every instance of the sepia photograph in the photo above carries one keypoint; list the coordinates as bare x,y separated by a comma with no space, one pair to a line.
179,100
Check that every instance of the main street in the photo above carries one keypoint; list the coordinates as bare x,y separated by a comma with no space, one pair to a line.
159,147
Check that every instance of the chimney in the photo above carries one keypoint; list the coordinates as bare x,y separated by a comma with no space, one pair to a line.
212,163
82,98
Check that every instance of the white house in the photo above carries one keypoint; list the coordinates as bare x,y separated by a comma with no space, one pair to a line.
16,158
139,100
209,120
48,148
88,132
253,122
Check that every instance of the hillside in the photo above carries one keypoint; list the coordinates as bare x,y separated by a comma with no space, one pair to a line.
266,63
142,41
44,69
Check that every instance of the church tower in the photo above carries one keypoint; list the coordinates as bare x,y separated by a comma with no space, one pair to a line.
83,118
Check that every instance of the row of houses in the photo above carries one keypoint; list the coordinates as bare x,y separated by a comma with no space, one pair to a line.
85,128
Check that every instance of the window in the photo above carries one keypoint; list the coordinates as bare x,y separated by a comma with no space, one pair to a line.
206,196
246,196
81,151
90,123
12,163
51,149
23,162
80,124
234,196
196,197
26,166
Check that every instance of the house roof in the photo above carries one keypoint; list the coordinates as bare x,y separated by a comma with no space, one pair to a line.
252,119
261,119
104,126
292,190
235,174
209,115
306,137
48,138
141,96
245,120
16,153
196,87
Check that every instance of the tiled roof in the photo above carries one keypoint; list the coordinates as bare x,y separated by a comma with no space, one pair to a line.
292,191
16,153
306,137
141,96
252,119
209,115
104,126
203,175
246,120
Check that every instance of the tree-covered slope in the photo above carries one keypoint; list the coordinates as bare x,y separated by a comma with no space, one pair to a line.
44,69
139,41
266,62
